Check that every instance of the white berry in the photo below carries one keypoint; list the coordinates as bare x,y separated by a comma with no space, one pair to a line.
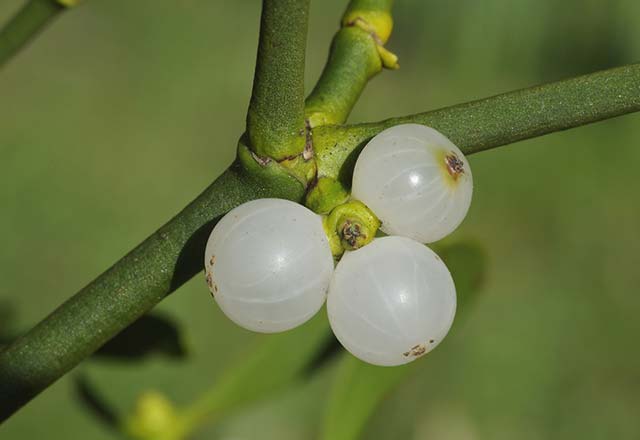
391,301
415,180
268,265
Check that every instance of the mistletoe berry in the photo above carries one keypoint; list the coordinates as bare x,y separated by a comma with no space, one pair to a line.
268,265
416,181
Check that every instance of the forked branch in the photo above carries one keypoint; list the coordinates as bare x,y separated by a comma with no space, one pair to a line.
173,254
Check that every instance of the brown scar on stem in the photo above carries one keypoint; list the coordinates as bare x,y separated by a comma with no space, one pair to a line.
416,350
455,166
365,26
212,261
307,153
264,161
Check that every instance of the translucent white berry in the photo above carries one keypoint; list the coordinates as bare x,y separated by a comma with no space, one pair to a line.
268,265
415,180
391,301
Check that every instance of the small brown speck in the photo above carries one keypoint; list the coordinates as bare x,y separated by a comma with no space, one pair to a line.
210,283
212,261
416,350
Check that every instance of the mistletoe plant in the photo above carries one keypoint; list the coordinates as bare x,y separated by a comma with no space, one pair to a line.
301,150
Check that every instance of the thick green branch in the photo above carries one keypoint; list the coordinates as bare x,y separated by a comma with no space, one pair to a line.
356,55
275,120
499,120
132,286
34,16
173,254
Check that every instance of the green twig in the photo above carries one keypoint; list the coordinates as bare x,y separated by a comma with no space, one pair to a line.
173,254
488,123
356,55
275,120
34,16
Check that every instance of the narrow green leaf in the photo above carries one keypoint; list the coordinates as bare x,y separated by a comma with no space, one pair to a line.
357,391
274,361
359,388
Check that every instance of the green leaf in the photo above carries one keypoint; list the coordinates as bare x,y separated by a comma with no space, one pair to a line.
356,393
273,362
268,365
359,387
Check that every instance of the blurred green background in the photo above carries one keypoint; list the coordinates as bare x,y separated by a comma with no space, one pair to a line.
122,111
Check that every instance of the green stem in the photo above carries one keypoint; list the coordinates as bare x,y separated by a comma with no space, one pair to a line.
173,254
275,120
132,286
25,25
354,58
491,122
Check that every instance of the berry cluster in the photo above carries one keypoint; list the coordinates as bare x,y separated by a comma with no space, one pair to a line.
270,267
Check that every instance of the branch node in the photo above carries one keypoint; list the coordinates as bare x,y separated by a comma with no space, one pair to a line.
388,58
